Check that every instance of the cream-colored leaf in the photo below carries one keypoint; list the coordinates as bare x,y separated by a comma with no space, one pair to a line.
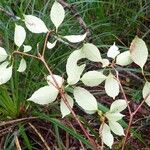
75,38
35,24
105,63
3,54
118,106
111,86
51,45
57,14
107,137
63,107
113,51
22,65
139,52
114,116
73,70
5,72
27,48
85,99
146,92
116,128
124,59
52,80
44,95
93,78
19,35
91,52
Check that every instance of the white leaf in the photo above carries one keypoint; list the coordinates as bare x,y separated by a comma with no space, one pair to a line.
111,86
75,38
116,128
19,35
118,106
124,59
91,52
107,137
27,48
51,45
52,80
114,116
146,91
73,70
139,51
3,54
35,24
57,14
85,99
5,73
63,107
105,62
22,65
89,111
44,95
93,78
113,51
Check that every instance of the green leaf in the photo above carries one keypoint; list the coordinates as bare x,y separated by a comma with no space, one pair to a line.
25,137
65,128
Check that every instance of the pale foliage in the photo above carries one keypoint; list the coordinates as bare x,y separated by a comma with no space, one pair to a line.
76,72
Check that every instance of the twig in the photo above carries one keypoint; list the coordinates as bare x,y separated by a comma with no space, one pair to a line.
41,137
122,90
45,43
62,93
73,10
25,54
130,74
16,121
132,114
131,119
8,13
17,143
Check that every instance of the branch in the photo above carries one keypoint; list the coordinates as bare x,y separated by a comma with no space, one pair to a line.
8,13
131,119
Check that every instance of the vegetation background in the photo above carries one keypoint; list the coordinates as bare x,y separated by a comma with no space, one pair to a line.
22,124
